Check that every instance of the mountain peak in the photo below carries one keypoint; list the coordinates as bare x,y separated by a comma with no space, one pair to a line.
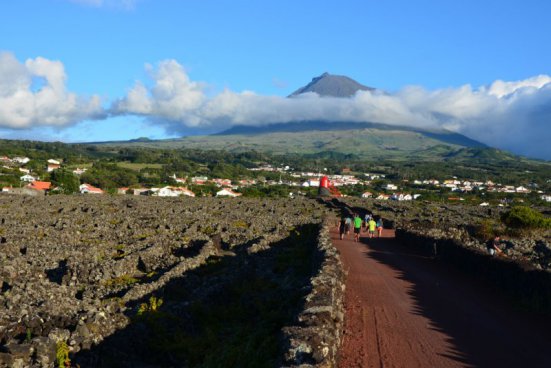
332,85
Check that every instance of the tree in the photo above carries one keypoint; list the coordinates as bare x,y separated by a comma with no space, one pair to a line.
67,182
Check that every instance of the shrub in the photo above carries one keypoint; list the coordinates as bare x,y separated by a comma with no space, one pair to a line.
522,217
487,229
62,355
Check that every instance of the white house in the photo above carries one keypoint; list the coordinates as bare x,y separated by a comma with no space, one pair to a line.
172,192
383,197
27,178
52,167
222,182
451,182
89,189
23,170
522,189
141,191
54,162
185,192
311,183
401,197
391,187
367,195
484,204
227,193
199,180
314,183
21,160
122,190
508,189
79,171
546,198
164,192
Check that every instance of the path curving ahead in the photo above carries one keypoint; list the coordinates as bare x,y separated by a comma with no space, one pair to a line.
406,310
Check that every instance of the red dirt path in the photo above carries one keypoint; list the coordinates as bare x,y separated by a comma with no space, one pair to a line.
406,310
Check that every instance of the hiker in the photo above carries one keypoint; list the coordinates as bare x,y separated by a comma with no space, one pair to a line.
366,220
348,222
357,227
342,227
493,246
379,226
372,225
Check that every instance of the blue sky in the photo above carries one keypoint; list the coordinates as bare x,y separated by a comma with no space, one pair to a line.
222,48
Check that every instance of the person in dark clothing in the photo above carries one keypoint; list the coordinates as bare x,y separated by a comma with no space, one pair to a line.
342,227
494,246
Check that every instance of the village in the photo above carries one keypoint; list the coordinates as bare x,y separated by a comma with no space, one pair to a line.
298,182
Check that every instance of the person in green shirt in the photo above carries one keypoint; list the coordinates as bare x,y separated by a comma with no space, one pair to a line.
372,225
357,227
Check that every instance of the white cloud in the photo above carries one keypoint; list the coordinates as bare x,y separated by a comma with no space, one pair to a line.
173,96
22,106
509,115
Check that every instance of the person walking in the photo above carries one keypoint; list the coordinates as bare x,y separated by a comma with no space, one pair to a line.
357,227
348,222
379,227
366,220
342,227
372,225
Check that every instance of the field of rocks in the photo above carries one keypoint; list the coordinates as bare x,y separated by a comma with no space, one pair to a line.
146,282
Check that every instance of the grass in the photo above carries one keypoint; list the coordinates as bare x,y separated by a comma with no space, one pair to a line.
124,280
138,166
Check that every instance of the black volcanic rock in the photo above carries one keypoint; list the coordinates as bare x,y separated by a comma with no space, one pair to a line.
332,85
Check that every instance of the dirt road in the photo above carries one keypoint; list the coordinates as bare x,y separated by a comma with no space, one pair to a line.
405,310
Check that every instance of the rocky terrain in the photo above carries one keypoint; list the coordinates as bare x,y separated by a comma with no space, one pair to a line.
126,281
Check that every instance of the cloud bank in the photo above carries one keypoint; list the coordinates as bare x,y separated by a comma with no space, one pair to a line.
34,93
515,116
510,115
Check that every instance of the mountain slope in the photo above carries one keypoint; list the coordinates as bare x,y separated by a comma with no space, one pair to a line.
442,135
332,85
364,143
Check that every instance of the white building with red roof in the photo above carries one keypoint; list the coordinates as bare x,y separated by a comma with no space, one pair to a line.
90,189
227,193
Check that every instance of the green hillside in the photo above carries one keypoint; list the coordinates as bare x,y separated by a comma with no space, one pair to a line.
361,143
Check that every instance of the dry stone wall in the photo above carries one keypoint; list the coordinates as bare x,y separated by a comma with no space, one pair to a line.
317,338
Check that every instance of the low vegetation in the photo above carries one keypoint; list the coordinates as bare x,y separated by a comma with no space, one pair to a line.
522,217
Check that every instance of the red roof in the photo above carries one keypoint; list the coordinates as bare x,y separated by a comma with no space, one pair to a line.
40,185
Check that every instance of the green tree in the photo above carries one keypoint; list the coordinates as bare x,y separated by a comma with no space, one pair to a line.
67,182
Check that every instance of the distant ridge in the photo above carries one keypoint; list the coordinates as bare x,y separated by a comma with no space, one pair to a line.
305,126
332,85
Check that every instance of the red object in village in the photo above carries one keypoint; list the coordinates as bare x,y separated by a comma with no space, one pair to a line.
326,189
